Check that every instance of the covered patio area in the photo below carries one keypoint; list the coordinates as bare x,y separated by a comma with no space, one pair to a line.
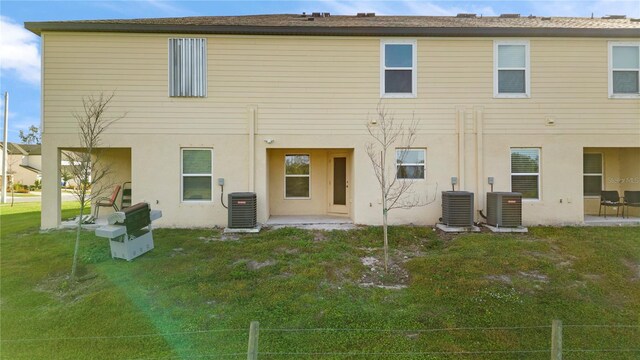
615,171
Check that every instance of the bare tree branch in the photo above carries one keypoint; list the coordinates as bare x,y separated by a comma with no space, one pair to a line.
87,165
386,136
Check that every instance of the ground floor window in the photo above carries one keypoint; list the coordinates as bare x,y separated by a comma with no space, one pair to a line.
592,179
410,163
297,176
525,172
196,174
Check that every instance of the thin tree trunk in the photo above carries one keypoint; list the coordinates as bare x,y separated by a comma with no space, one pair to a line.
386,241
77,245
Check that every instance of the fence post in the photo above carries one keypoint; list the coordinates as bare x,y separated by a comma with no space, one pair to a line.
252,352
556,340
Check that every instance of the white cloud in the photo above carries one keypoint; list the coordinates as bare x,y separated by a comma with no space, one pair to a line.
19,51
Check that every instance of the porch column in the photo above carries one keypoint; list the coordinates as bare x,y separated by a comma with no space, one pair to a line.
51,203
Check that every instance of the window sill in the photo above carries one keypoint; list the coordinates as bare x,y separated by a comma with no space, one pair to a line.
196,202
398,96
297,198
511,96
624,96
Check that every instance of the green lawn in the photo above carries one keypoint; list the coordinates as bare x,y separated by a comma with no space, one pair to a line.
195,294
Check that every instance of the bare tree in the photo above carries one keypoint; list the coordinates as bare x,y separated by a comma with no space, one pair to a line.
396,193
87,165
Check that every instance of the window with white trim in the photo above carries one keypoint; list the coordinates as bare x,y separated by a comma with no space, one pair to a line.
525,172
196,174
511,69
411,163
624,69
592,179
297,176
398,68
188,67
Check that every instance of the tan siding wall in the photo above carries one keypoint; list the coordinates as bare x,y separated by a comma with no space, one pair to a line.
317,93
329,85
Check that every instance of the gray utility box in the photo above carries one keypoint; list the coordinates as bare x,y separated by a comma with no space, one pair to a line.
129,231
457,208
504,209
242,210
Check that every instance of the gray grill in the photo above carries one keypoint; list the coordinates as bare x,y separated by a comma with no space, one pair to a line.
504,209
457,208
242,210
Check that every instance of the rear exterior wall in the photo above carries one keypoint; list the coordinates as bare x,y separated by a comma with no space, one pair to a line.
318,93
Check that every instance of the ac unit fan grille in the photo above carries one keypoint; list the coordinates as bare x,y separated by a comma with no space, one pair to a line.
457,208
242,210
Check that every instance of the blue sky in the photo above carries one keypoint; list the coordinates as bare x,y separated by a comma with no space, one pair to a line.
20,49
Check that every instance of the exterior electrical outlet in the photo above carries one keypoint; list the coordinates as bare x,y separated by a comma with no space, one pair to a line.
457,208
504,209
242,210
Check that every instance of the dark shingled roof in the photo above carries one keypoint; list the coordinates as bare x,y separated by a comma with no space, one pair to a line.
290,24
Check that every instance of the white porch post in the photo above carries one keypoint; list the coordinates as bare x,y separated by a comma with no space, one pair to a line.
51,202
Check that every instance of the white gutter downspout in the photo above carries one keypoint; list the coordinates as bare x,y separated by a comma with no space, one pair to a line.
460,120
480,158
252,147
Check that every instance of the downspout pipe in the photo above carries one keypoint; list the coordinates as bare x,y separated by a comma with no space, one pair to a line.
480,159
461,149
252,148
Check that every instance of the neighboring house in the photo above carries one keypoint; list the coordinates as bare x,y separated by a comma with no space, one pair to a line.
24,163
277,104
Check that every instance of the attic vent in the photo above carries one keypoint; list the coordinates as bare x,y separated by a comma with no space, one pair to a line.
545,18
510,16
361,14
466,15
635,19
371,14
319,14
614,17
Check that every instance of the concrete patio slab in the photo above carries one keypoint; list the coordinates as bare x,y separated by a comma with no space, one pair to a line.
311,222
593,220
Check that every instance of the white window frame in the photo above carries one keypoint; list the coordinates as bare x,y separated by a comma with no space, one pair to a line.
414,68
539,173
424,152
594,174
284,184
527,69
183,175
621,43
205,83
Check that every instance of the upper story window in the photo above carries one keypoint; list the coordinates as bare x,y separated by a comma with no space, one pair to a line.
398,74
410,163
188,67
624,69
511,69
